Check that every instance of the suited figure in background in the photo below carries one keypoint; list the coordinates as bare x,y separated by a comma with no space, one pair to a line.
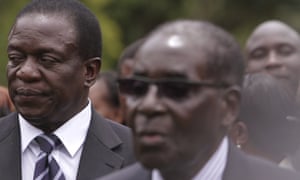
182,97
124,62
274,48
54,51
264,127
104,95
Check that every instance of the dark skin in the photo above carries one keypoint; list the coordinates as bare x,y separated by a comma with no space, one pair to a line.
48,80
178,137
99,95
274,48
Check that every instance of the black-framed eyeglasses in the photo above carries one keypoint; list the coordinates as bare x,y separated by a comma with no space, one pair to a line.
172,88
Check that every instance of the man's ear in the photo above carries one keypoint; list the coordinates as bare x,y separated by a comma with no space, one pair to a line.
238,133
92,68
231,105
126,67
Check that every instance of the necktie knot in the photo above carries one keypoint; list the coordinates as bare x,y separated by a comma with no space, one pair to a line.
47,142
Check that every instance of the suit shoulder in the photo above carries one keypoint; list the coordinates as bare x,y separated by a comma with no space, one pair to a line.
267,170
119,127
247,167
109,127
7,124
126,148
122,131
6,120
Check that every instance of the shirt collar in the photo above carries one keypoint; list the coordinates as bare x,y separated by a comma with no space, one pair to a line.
213,169
286,163
72,133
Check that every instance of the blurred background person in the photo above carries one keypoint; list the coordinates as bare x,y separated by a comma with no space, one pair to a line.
263,127
125,62
104,95
6,105
274,48
126,59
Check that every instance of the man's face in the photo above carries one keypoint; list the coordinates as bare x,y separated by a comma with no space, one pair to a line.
173,127
275,49
45,73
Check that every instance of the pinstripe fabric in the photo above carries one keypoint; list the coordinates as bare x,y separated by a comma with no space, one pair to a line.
46,168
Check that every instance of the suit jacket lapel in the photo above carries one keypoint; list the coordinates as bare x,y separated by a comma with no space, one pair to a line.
98,157
10,148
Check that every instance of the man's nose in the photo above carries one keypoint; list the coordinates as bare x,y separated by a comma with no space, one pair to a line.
28,70
273,61
151,103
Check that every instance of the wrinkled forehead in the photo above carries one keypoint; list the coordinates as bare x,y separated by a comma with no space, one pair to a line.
272,32
43,24
172,54
60,18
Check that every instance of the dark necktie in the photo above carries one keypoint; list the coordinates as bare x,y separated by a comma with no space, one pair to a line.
46,168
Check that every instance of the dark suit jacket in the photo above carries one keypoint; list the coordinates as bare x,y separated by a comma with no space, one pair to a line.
108,147
239,167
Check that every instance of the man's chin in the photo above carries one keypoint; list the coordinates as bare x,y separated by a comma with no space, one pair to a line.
32,116
33,120
154,161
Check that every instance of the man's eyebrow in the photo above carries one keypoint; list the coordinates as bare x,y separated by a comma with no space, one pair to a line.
13,47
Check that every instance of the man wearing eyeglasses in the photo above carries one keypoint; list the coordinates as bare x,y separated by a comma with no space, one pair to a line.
182,97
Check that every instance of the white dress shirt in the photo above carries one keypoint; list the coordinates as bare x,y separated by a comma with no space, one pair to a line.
213,169
72,135
287,164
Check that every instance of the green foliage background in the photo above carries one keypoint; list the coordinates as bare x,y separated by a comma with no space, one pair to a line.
124,21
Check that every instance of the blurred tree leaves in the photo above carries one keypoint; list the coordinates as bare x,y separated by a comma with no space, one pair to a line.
111,33
8,11
124,21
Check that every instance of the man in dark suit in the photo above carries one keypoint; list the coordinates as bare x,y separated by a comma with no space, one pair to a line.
182,97
54,51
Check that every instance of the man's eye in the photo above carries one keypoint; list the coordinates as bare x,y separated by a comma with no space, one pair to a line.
48,60
285,50
258,54
15,59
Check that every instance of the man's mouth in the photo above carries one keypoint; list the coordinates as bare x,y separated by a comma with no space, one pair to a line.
151,138
28,92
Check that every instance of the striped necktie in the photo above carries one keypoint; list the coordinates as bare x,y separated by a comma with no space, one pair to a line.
46,168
